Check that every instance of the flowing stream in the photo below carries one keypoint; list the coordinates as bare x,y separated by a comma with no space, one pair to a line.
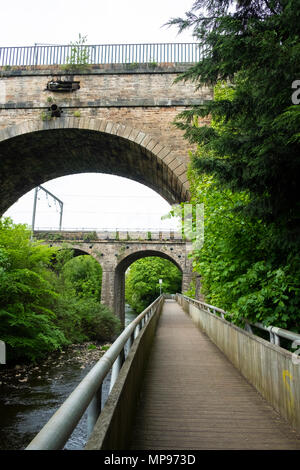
26,404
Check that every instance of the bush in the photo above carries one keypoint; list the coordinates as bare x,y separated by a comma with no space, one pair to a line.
98,323
26,296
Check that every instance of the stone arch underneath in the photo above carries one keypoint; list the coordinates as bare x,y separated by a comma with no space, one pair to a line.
119,276
114,268
37,151
78,250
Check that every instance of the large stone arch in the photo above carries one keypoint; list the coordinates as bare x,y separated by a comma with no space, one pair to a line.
124,263
36,151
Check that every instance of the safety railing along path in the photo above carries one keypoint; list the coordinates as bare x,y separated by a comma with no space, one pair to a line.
269,364
151,53
194,398
274,332
87,395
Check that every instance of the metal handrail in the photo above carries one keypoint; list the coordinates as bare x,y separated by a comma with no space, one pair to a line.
105,229
274,332
58,429
151,53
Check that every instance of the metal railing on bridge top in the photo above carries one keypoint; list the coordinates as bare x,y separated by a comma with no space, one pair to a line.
101,54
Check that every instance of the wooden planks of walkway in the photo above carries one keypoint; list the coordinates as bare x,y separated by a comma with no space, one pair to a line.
194,398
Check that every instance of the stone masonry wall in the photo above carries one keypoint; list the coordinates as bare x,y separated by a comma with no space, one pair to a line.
115,256
140,97
120,122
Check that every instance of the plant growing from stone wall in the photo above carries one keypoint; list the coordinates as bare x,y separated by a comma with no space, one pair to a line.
78,60
90,236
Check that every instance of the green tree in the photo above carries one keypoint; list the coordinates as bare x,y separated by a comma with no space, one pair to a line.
255,47
47,299
26,295
79,313
246,165
83,275
142,281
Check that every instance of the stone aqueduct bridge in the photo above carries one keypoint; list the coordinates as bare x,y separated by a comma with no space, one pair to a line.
119,122
116,251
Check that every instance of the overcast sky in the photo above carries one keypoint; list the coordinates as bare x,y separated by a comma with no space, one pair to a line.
26,22
91,200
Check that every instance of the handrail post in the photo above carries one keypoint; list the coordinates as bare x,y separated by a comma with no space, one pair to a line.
276,337
116,369
136,331
248,327
94,410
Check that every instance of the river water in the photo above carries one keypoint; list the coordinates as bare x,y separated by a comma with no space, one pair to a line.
25,406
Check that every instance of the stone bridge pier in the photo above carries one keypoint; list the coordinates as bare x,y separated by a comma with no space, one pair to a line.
113,275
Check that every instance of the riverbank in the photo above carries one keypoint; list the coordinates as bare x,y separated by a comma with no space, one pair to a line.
78,355
31,393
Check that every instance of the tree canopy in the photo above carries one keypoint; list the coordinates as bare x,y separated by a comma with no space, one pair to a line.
142,281
27,297
246,165
45,305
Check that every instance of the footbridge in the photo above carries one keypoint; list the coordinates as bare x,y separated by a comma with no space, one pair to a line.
185,377
116,250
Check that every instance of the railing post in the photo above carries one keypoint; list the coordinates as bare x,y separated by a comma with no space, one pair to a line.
136,331
275,337
248,327
128,345
94,410
272,337
116,369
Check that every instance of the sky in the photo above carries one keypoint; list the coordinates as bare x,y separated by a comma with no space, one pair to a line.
91,200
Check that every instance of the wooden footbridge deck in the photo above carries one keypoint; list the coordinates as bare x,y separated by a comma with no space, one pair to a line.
194,398
184,378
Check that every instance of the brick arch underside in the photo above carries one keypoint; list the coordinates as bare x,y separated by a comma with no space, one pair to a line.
30,156
119,283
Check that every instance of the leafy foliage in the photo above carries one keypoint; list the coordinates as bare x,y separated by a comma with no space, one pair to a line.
80,314
83,276
79,57
142,281
26,296
45,305
237,272
246,166
254,46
